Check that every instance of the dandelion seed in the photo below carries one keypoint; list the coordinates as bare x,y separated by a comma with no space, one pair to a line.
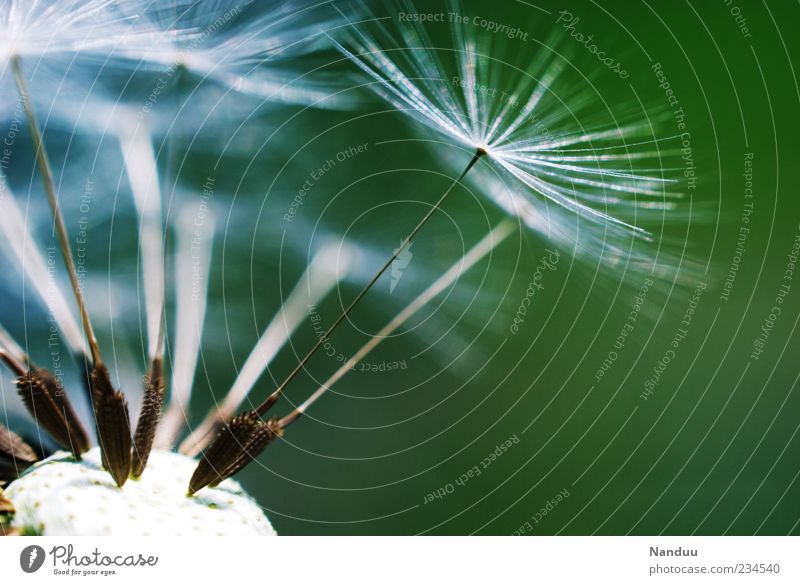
44,398
243,439
221,456
110,406
41,392
247,47
238,442
140,164
527,130
587,172
15,455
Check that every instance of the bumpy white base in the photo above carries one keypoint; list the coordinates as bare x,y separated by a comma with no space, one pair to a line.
62,497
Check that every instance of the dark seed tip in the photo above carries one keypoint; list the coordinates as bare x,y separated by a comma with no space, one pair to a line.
238,443
113,425
149,417
6,507
48,404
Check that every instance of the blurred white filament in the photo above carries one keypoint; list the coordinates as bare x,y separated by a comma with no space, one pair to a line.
327,268
195,236
24,252
140,165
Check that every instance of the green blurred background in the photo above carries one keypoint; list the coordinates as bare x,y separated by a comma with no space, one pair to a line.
713,450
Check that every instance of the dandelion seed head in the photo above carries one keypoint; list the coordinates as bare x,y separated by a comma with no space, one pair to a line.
61,497
582,183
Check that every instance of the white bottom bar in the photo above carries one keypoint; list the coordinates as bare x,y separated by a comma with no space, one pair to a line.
397,560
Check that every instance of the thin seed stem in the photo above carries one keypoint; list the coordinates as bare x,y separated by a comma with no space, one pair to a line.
11,347
486,245
265,406
49,186
13,363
